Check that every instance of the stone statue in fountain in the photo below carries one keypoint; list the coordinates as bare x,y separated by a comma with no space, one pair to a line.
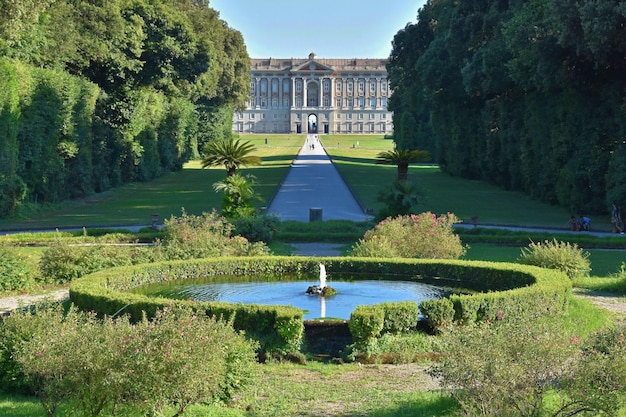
322,289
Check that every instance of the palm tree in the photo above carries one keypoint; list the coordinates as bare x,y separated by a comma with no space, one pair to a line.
230,153
238,195
399,199
402,158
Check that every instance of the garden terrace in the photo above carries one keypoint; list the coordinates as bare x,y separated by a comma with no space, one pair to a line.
500,288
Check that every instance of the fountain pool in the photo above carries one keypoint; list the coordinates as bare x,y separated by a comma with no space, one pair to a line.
350,293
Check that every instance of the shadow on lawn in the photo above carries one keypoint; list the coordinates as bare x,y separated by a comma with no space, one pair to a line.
353,160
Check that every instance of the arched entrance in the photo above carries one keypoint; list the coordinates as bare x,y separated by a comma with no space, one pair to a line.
312,123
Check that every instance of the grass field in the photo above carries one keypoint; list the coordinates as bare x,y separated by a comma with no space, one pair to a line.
192,189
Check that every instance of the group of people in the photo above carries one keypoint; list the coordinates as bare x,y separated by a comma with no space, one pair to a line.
581,224
584,223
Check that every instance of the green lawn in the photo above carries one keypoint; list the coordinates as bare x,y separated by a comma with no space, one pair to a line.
604,262
191,188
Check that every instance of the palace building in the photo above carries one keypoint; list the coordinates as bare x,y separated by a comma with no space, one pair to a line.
331,96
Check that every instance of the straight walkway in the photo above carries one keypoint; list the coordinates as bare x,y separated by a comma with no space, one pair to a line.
314,182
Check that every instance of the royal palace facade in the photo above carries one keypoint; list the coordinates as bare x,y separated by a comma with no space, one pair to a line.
331,96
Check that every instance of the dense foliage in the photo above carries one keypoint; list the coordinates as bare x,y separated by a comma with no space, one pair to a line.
529,95
423,235
515,367
177,359
95,94
15,272
564,256
185,237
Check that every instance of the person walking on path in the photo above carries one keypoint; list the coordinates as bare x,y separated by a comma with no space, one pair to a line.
616,219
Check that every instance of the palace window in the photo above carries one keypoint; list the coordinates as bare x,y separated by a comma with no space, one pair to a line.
372,116
338,101
349,86
338,86
383,116
326,86
298,86
361,102
373,86
373,102
326,101
298,101
252,115
349,116
274,101
360,116
383,102
383,86
252,86
361,86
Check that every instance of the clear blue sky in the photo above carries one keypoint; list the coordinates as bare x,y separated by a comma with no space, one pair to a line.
330,28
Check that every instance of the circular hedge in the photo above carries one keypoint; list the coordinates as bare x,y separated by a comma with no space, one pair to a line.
512,289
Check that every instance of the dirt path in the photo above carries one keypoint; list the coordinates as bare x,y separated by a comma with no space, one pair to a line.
615,304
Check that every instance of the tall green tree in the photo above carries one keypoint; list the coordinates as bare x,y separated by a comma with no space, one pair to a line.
528,95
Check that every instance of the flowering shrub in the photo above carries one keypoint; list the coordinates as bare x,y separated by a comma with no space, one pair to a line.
511,366
422,235
564,256
504,368
207,235
177,359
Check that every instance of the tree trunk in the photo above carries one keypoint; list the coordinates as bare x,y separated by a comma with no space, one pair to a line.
403,171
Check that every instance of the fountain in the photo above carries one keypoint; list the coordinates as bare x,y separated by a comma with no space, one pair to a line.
322,289
352,291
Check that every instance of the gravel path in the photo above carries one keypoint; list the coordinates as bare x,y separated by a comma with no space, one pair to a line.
8,304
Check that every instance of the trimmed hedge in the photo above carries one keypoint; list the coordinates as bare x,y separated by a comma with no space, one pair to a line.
519,290
370,321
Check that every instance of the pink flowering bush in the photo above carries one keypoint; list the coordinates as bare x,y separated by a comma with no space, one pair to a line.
424,235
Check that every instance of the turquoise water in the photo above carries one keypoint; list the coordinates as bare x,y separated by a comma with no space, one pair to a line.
350,294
